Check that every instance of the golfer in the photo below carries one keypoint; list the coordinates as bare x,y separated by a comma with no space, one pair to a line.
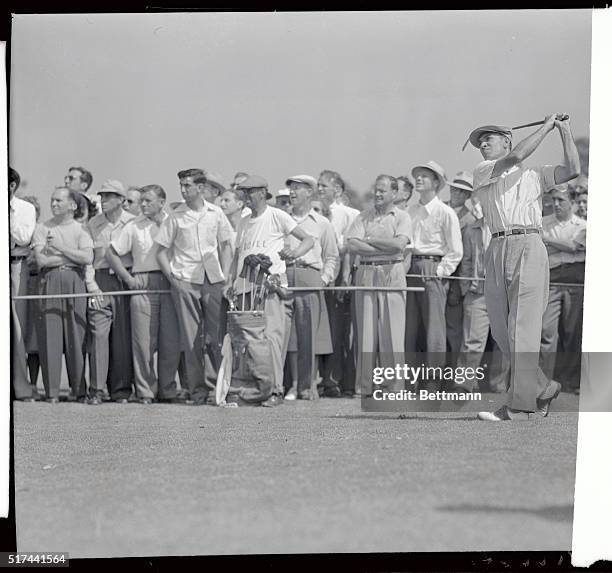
516,261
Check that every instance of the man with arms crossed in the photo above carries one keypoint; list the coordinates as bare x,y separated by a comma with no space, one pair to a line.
517,271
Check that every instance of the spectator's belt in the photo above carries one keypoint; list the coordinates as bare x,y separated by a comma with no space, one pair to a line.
385,262
303,265
110,271
60,268
437,258
519,231
33,273
146,272
15,258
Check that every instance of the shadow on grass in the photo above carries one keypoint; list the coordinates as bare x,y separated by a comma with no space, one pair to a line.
550,512
394,416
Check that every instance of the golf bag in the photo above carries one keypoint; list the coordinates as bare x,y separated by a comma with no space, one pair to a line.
246,374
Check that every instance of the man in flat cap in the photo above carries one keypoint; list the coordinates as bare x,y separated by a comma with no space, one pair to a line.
318,267
564,235
460,191
195,254
437,251
517,269
264,232
108,317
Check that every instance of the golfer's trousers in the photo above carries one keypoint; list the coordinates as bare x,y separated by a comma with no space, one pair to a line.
62,330
516,294
475,334
110,340
379,323
154,330
19,315
198,310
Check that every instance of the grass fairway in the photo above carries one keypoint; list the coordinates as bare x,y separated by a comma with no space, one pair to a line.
132,480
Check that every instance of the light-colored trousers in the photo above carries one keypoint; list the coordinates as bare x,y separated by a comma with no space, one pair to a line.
154,331
475,333
379,322
516,293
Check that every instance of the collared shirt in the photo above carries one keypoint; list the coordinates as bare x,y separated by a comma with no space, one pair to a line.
341,217
69,234
437,232
476,239
137,239
103,232
324,254
195,237
514,198
566,232
22,224
369,223
263,235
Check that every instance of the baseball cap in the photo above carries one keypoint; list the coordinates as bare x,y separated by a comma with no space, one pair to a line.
432,166
283,193
498,129
113,186
307,179
215,180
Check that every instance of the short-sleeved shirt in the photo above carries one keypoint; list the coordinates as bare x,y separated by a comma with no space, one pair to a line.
437,232
22,220
195,237
103,232
514,198
137,239
341,217
70,234
393,223
324,254
568,232
263,235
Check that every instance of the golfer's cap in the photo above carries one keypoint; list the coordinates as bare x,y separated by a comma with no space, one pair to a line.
306,179
255,182
432,166
113,186
463,180
283,193
498,129
216,181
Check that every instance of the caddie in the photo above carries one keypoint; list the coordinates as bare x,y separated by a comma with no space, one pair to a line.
517,269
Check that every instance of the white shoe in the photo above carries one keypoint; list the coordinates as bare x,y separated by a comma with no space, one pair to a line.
503,414
291,395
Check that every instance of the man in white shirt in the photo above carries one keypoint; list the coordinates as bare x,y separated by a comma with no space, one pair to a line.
22,222
195,255
564,235
437,250
517,275
339,367
154,321
264,232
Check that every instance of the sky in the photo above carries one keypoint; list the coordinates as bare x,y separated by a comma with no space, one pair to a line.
138,97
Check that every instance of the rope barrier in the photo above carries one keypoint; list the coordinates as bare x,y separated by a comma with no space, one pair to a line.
292,289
